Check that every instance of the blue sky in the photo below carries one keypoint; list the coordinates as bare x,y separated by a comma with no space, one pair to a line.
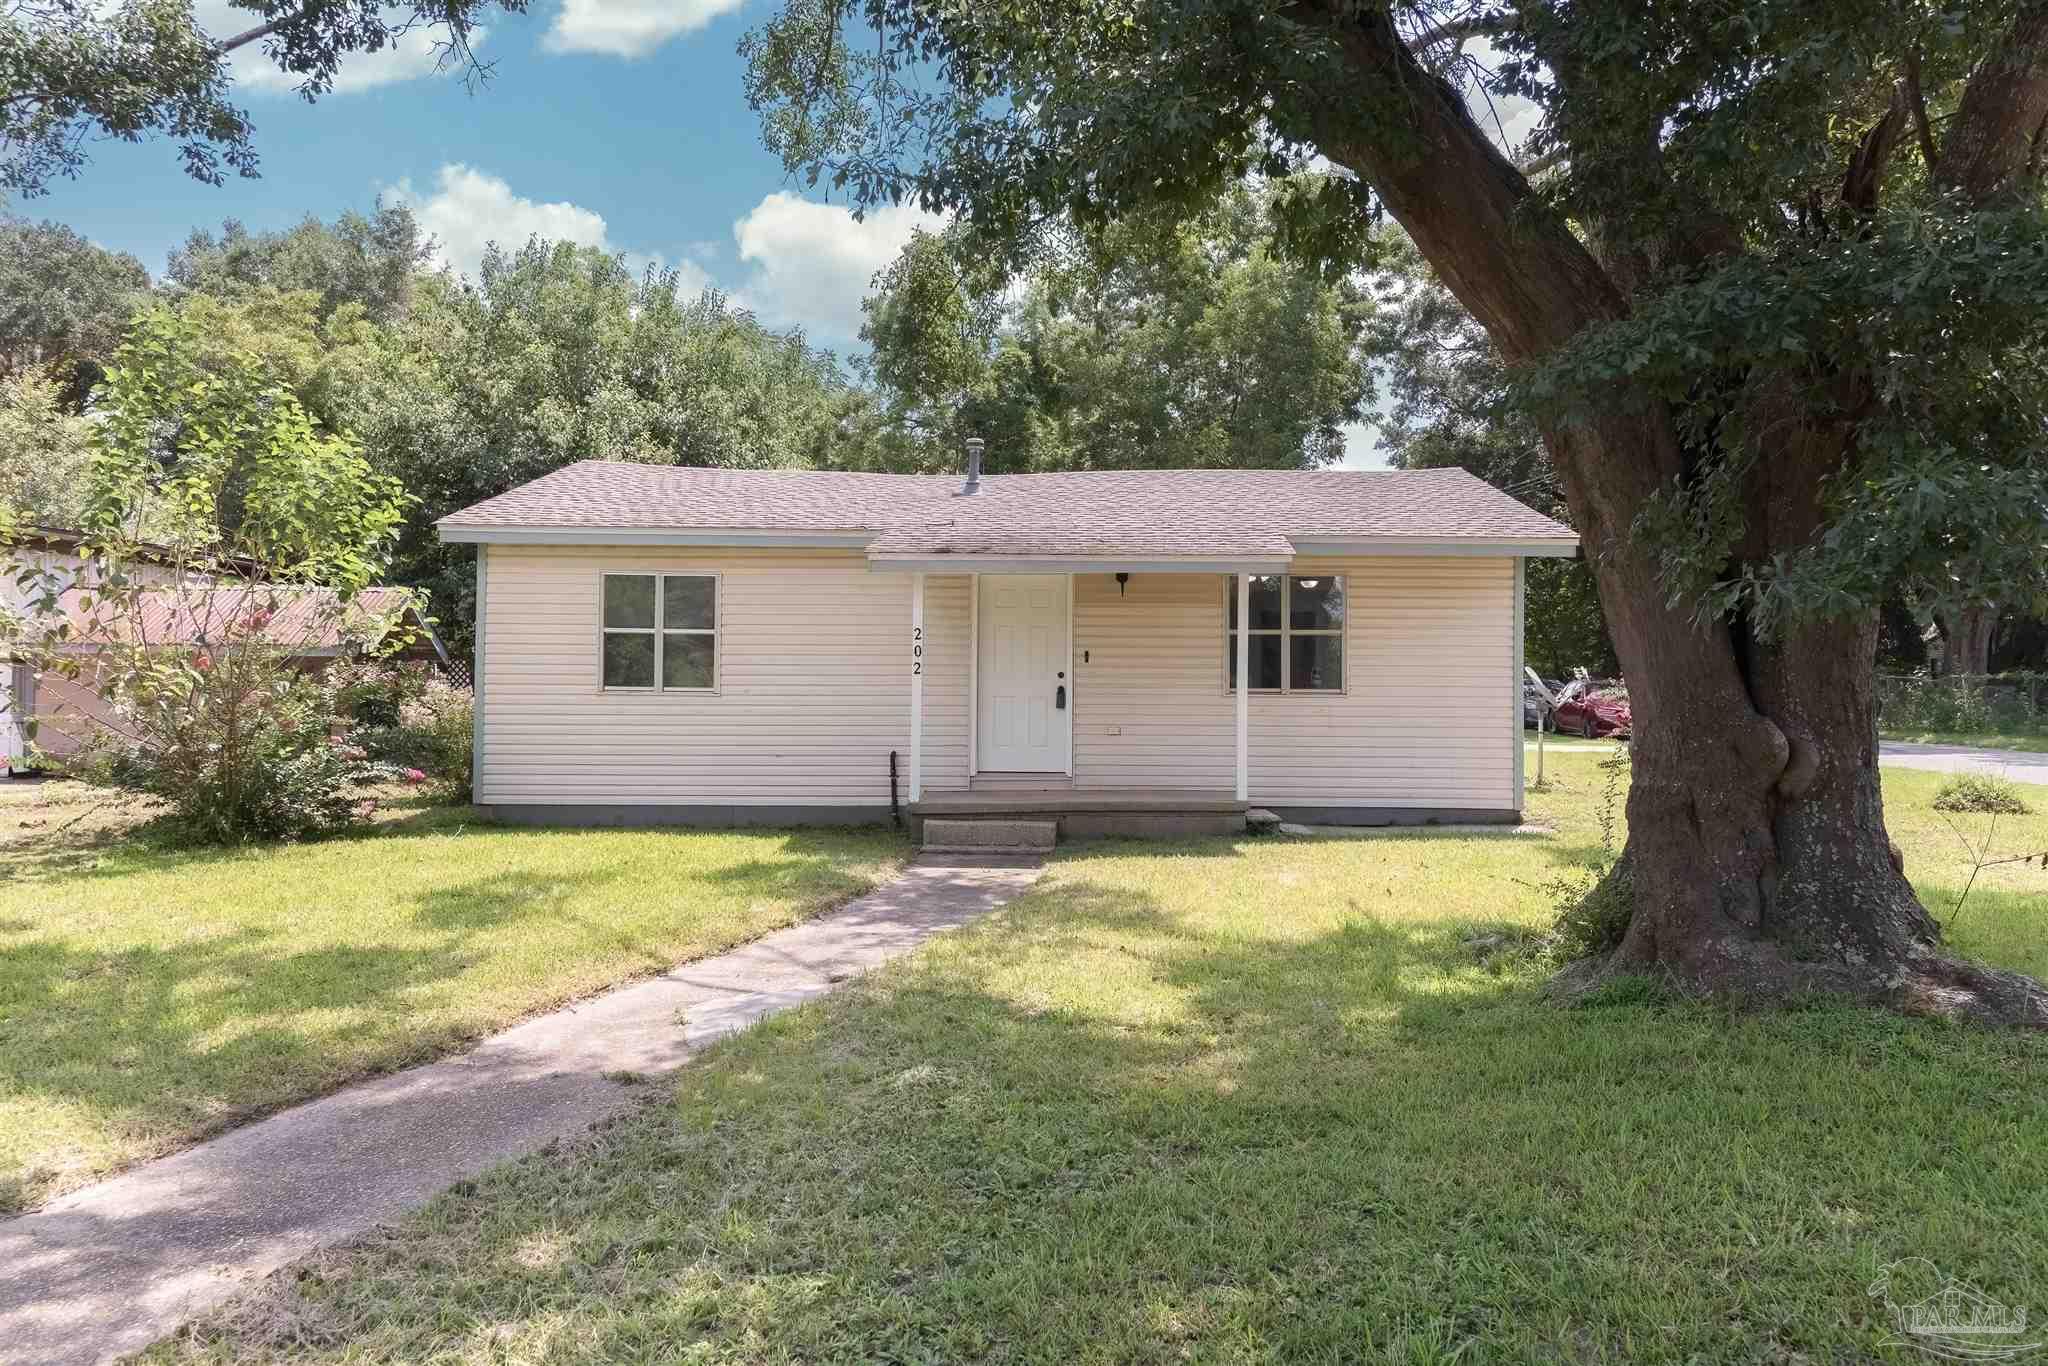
620,123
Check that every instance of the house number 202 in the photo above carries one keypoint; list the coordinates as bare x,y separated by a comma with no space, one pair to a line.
917,650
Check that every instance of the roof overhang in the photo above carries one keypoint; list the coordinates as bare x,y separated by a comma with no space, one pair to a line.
1071,564
1538,546
1545,546
454,534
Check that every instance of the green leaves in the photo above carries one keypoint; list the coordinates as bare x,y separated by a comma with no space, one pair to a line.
210,457
74,71
1921,346
1139,344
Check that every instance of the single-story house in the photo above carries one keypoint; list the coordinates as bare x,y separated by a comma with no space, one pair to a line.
659,644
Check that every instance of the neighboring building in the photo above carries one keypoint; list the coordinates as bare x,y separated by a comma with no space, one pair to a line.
664,644
33,553
308,622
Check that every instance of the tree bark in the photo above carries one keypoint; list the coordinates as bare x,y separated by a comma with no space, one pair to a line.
1757,861
1966,633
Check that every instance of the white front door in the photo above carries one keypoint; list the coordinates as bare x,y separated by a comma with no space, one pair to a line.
1026,708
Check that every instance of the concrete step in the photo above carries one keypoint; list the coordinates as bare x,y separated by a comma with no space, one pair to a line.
982,836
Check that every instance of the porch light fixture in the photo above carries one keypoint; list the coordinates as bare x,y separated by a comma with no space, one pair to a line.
1121,580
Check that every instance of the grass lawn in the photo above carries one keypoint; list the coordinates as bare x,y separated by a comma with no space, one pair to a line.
148,997
2036,744
1251,1100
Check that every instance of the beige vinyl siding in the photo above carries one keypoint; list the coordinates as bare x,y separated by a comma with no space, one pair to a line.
1428,717
1431,715
1152,668
948,690
813,684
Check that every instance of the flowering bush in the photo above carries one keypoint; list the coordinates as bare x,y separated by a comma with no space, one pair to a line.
249,755
226,536
428,732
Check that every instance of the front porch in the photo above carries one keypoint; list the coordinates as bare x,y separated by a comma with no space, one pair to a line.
1101,699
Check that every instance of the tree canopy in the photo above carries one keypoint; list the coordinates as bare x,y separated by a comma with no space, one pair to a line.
79,71
559,353
365,259
63,301
1126,347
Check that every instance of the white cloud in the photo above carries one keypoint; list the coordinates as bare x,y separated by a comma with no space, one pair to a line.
470,209
801,263
629,28
410,58
811,263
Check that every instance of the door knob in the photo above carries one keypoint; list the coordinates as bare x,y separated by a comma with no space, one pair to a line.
1059,698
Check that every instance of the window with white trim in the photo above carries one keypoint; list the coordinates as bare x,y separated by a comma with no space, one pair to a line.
1296,633
660,632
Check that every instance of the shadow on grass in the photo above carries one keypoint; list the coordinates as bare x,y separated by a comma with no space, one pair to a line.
158,845
175,1039
1201,1141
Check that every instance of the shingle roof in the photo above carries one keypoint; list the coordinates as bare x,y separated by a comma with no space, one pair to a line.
1222,513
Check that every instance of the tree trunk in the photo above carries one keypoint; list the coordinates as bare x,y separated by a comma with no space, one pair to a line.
1966,634
1757,861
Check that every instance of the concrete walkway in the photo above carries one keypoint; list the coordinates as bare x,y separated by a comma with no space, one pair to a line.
112,1268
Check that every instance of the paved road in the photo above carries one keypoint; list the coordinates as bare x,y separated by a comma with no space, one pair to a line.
110,1269
2021,766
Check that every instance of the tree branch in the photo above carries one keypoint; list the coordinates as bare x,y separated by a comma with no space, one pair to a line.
264,30
1471,26
1865,174
1916,100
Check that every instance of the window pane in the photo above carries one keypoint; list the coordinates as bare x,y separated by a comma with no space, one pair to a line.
1317,662
1265,602
686,661
1265,661
688,601
629,601
1316,603
629,659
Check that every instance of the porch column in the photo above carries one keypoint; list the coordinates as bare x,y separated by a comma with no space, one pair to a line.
917,687
1244,691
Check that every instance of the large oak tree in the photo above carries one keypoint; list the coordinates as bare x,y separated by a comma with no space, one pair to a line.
1777,294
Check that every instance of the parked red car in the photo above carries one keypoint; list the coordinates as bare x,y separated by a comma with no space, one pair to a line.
1591,709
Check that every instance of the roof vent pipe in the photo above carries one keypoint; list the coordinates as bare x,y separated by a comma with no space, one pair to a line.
973,484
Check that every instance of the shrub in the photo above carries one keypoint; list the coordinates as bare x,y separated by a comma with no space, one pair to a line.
371,691
1597,919
251,755
1981,792
429,730
1595,904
